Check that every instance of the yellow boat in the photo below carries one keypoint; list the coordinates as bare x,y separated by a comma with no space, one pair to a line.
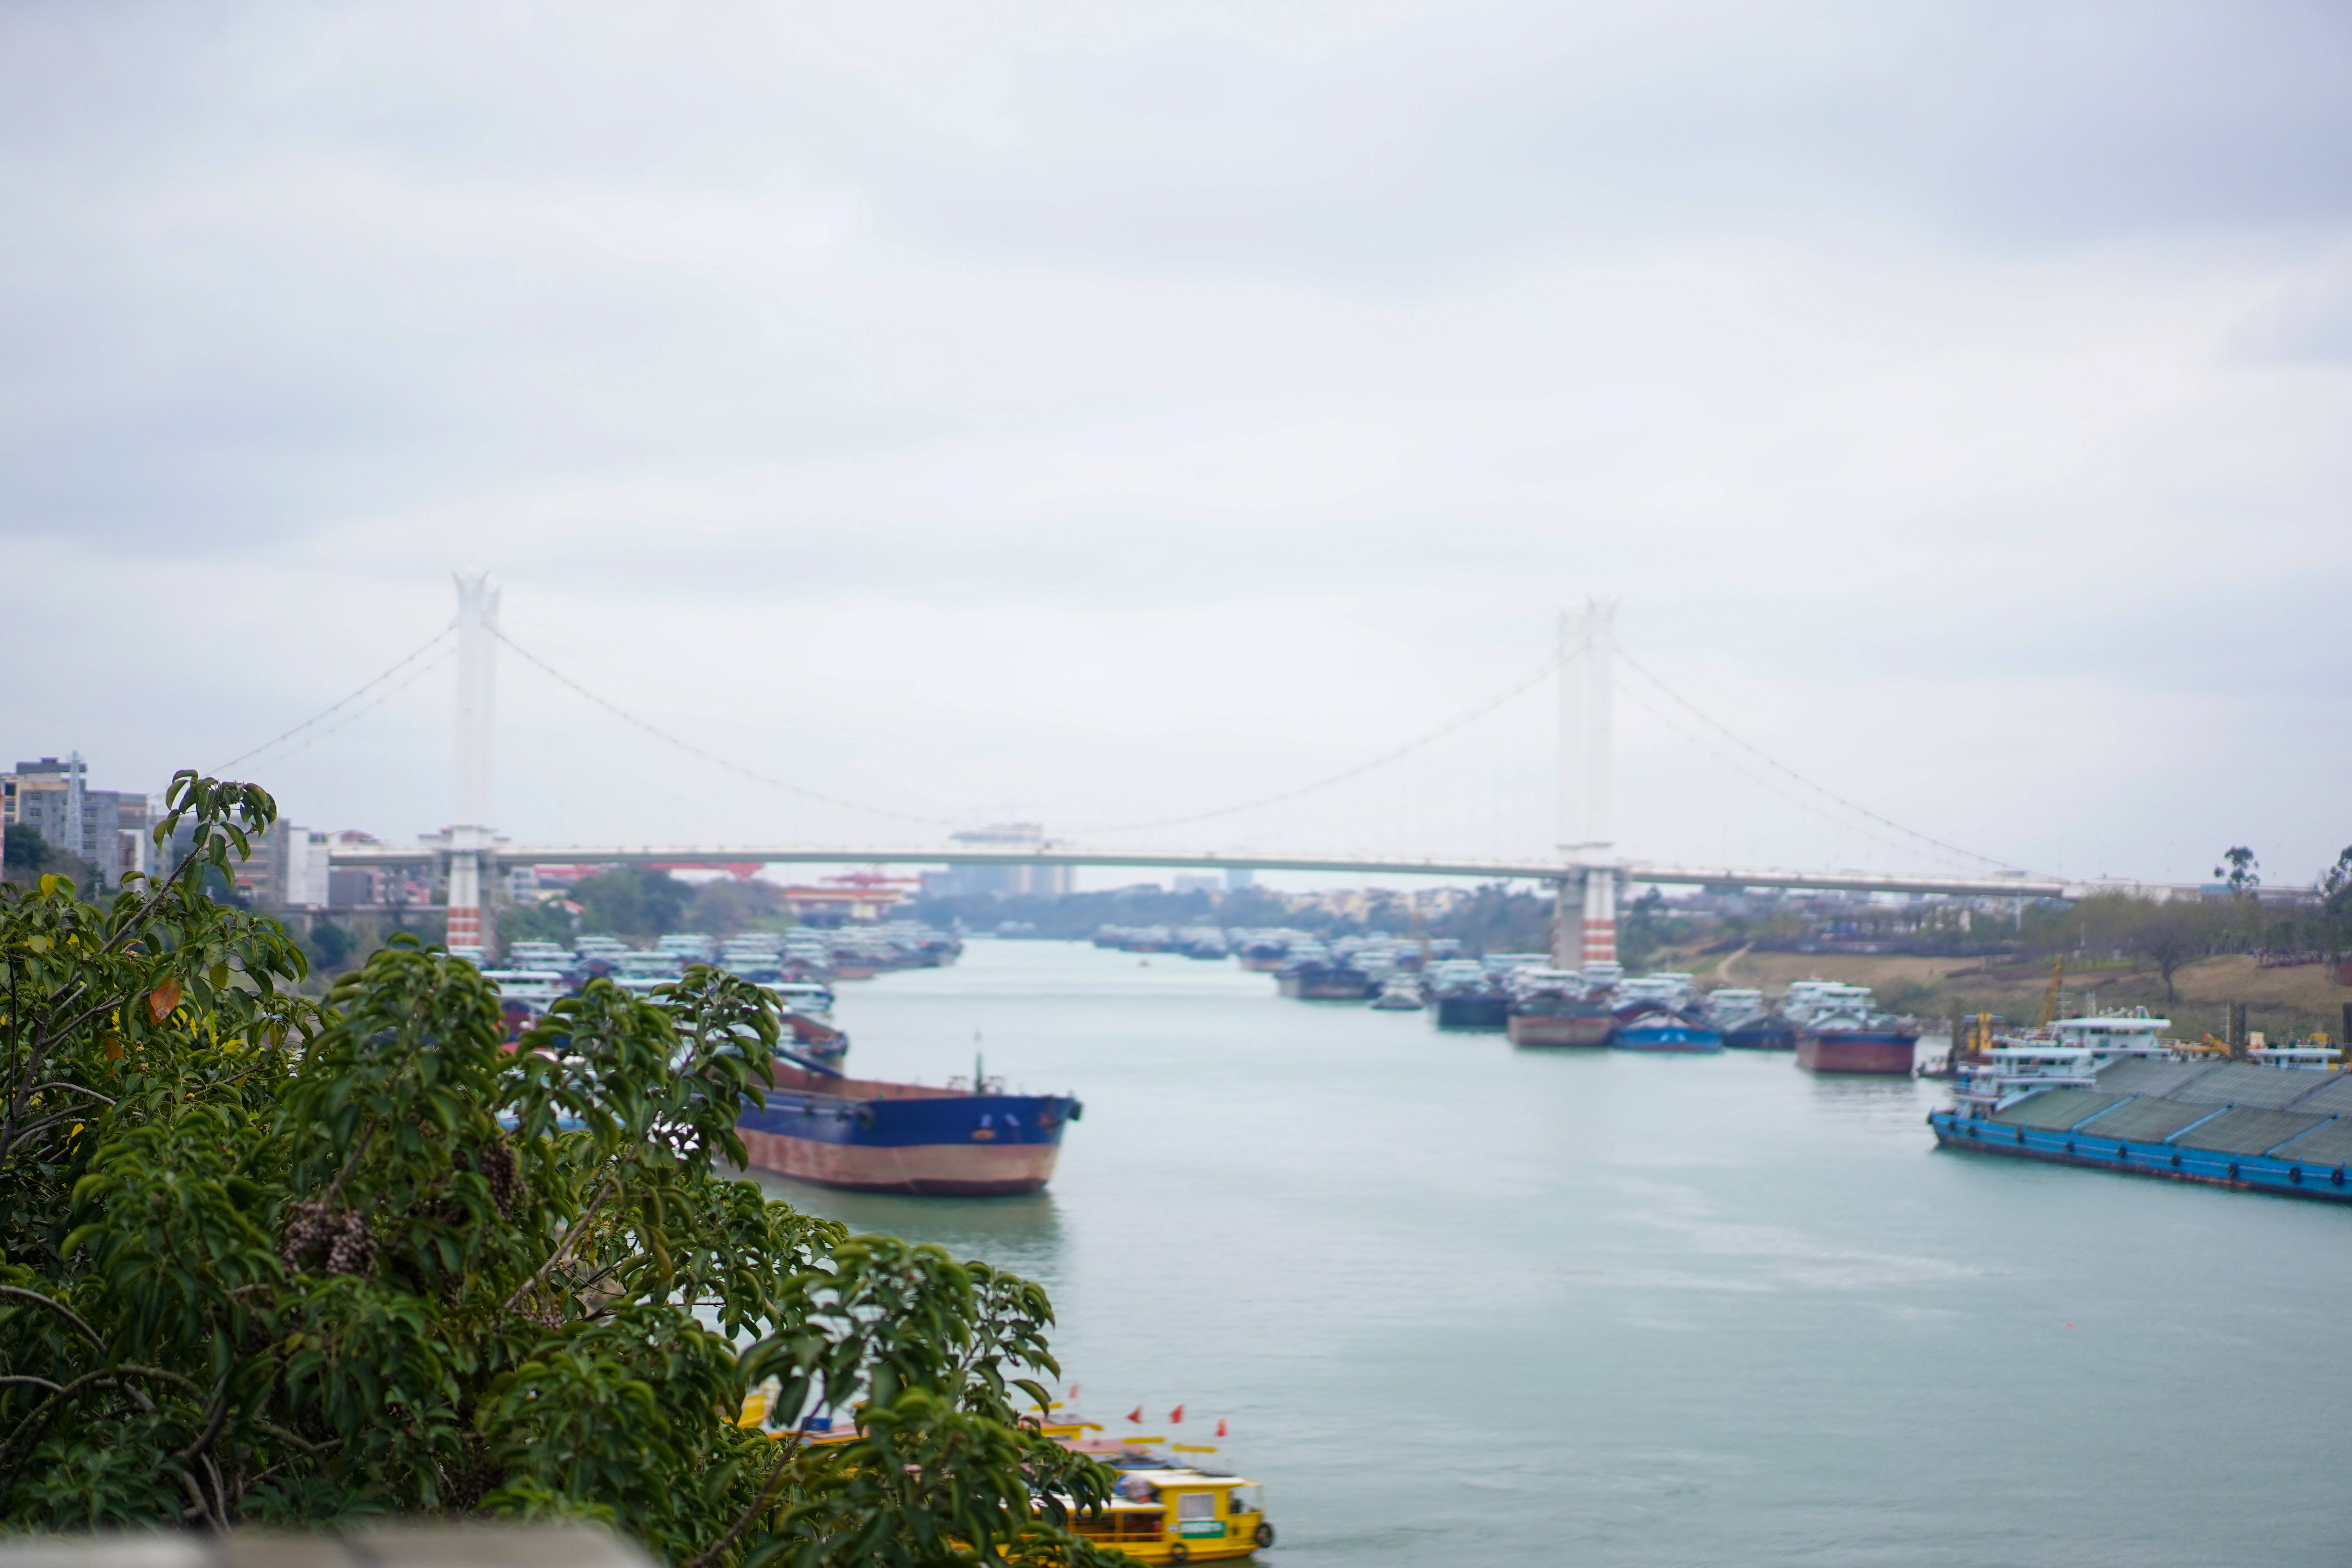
1163,1512
1180,1516
1167,1510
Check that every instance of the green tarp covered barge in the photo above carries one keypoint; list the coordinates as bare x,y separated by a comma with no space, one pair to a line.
2230,1124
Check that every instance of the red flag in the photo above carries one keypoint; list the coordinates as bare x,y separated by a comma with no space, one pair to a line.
1221,1426
1073,1391
1136,1415
1176,1416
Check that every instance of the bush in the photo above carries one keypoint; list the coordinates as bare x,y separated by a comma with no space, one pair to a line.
279,1262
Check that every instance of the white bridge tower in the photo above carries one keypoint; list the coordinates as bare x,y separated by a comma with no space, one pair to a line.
1587,839
470,831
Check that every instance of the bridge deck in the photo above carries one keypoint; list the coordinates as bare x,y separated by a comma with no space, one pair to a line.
1486,870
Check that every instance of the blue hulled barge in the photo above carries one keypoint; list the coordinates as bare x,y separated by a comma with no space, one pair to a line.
864,1135
2279,1123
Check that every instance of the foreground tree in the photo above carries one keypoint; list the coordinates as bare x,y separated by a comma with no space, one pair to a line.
276,1262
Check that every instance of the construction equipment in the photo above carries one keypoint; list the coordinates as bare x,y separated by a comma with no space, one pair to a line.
2050,1002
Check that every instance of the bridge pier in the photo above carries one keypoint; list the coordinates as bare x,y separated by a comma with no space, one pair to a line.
1584,918
1600,921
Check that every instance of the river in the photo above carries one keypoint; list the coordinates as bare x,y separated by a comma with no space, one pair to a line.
1463,1304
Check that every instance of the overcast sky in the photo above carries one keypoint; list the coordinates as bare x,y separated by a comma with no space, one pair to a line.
1108,413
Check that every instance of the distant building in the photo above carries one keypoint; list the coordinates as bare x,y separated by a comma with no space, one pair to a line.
289,869
857,897
355,887
309,880
53,797
967,878
1238,878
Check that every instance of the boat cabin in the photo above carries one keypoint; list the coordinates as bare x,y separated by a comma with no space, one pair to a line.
1997,1078
542,988
2113,1035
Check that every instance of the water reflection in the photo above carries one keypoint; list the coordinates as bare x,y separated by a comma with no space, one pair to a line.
1022,1232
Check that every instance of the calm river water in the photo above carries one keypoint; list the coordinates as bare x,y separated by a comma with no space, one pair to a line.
1465,1305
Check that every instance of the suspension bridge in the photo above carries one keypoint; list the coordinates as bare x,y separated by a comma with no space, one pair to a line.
1587,867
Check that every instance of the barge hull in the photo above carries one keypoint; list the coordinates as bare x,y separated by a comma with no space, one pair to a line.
925,1170
2210,1167
1886,1054
866,1136
1471,1012
1325,990
1560,1029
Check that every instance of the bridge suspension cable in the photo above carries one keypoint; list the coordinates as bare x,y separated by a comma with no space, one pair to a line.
690,749
340,703
1428,738
1912,835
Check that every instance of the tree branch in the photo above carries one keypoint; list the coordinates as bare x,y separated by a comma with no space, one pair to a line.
24,1134
212,1423
70,1315
71,1088
572,1237
759,1504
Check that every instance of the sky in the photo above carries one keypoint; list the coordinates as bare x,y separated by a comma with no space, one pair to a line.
1112,413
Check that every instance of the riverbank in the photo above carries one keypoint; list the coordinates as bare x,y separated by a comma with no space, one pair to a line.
2296,1000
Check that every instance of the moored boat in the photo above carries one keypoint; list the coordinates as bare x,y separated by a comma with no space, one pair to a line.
1845,1035
864,1135
1557,1007
1318,982
1862,1049
1561,1022
1166,1512
2123,1099
1762,1032
1747,1023
1471,1009
525,995
1653,1026
1463,996
821,1039
1400,993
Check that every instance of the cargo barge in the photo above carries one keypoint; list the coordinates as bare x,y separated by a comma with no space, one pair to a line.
1471,1009
862,1135
1747,1023
1323,983
2274,1127
1558,1007
1763,1032
1838,1030
1560,1021
1859,1048
1648,1026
